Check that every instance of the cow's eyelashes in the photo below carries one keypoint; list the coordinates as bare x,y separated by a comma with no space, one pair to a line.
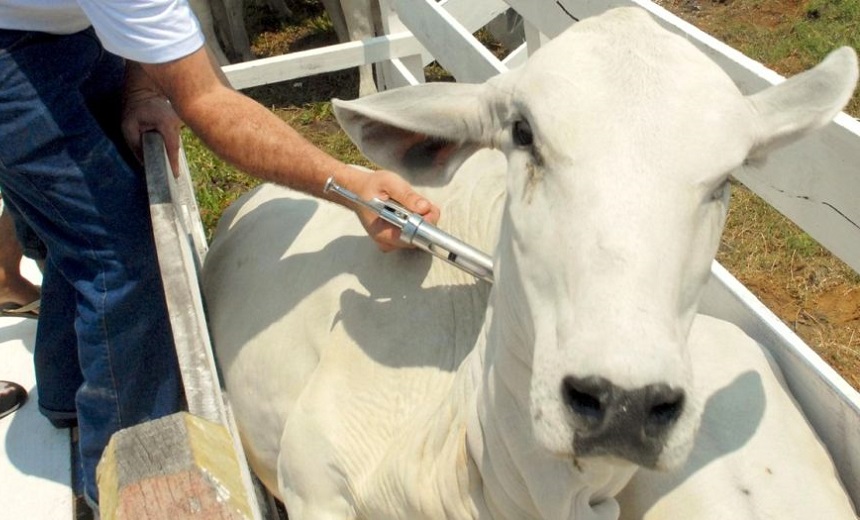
522,133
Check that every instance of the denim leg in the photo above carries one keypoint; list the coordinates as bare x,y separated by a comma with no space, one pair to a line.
104,347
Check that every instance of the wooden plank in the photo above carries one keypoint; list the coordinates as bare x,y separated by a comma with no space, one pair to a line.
471,14
534,38
452,44
326,59
815,184
474,14
549,17
398,72
517,57
179,466
828,401
185,202
178,270
181,244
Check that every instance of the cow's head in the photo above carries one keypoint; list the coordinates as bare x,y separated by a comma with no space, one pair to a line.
620,139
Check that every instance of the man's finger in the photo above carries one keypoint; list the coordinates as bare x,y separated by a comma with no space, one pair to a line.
386,236
414,201
171,144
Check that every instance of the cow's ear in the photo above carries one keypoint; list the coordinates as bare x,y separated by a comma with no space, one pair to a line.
805,102
423,132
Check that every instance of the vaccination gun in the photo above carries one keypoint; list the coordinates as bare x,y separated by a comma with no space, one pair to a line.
422,234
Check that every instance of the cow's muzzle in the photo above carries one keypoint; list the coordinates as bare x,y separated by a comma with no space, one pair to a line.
629,424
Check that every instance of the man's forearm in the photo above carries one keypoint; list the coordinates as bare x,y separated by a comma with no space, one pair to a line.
250,137
255,140
240,130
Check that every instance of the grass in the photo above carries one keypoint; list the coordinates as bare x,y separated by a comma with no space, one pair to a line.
814,293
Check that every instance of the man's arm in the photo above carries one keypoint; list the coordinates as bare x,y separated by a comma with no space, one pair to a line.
249,136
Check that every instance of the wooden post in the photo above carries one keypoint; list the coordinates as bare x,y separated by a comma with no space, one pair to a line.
179,466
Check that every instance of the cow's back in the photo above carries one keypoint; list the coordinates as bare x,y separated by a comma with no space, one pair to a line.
307,314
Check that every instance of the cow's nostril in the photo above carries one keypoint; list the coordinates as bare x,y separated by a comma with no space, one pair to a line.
582,397
668,410
584,404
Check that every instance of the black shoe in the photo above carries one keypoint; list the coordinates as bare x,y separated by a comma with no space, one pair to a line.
12,397
60,420
62,424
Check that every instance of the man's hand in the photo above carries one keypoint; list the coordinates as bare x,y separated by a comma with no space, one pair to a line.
146,108
386,185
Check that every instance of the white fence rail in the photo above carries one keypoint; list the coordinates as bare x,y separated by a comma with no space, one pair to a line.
815,182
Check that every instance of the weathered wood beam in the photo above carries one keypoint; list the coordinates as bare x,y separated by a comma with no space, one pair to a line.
179,273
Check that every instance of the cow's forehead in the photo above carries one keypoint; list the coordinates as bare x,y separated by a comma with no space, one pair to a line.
622,57
623,84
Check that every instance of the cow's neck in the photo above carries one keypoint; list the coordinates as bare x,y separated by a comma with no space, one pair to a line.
472,454
427,471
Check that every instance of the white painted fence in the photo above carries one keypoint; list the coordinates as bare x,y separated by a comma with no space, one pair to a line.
816,182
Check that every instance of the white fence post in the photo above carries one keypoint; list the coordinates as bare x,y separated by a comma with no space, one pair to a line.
397,72
453,45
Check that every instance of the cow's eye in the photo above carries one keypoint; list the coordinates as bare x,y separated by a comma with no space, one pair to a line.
522,133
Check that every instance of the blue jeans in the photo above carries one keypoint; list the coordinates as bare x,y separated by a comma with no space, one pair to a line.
104,349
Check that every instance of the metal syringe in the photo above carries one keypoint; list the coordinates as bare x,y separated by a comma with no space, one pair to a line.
416,231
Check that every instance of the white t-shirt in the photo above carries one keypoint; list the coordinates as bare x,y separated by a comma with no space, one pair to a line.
148,31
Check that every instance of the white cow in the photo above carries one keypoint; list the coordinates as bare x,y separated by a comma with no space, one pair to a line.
392,386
